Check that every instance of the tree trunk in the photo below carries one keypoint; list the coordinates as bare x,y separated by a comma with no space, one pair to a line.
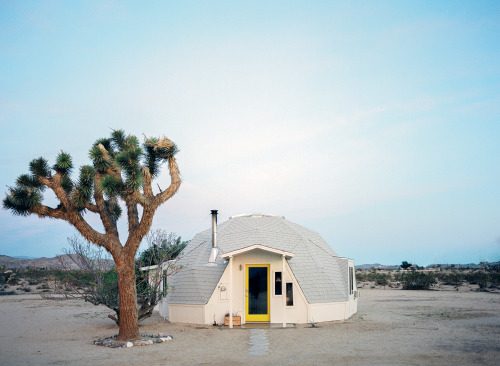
129,325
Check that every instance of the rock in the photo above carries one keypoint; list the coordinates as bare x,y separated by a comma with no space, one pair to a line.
147,339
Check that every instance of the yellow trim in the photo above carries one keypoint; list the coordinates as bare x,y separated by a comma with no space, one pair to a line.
257,317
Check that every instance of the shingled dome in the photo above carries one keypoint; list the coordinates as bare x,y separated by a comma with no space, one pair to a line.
321,275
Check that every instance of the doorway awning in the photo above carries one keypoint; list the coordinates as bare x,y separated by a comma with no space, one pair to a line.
288,255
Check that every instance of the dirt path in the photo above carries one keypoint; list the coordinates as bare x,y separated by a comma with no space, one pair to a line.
392,327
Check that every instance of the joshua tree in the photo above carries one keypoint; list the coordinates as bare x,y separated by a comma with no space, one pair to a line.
122,171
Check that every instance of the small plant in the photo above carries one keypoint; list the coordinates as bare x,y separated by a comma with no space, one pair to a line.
360,276
4,293
382,279
24,288
451,279
415,280
13,280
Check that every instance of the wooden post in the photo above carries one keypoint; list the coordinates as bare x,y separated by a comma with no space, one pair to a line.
283,290
230,292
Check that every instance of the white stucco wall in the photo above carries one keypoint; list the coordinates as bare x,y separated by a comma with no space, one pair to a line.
219,304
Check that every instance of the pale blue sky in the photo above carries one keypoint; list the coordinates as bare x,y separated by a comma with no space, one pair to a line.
376,124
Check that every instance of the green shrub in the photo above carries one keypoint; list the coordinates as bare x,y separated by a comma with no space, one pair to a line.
494,279
451,279
405,264
479,278
2,293
25,289
13,280
382,279
360,276
414,280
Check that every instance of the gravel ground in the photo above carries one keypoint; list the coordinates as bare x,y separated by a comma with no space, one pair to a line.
392,327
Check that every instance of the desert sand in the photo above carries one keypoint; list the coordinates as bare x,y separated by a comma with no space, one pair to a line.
392,327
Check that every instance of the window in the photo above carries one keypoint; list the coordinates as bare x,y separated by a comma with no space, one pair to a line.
278,285
289,294
351,281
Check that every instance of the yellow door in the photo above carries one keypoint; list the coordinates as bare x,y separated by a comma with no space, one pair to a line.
257,293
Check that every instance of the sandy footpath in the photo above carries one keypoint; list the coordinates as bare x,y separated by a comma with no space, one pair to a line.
392,327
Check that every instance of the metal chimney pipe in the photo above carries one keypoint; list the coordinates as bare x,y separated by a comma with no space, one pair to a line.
214,251
214,228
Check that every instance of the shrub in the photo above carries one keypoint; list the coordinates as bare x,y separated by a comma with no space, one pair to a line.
415,280
477,278
2,293
452,279
405,265
25,289
382,279
360,276
13,280
494,279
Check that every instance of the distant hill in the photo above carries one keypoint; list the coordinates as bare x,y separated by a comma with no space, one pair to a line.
376,265
48,263
445,266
